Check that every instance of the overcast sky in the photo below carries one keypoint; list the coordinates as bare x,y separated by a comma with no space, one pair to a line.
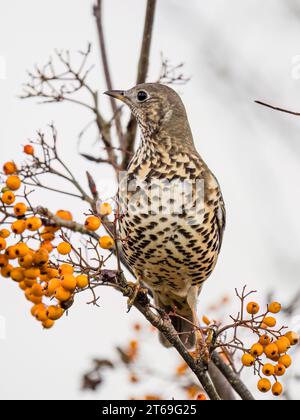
234,55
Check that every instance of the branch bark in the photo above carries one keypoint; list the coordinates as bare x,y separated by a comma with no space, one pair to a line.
275,108
164,325
232,378
107,74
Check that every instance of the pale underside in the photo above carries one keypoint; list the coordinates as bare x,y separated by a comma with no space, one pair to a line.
171,234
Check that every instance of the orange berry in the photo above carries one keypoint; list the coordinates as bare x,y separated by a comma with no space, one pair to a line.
277,389
92,223
285,360
133,345
20,209
65,269
48,324
8,197
181,369
22,250
82,281
44,279
64,214
29,282
256,350
28,150
62,294
271,350
137,327
47,245
32,273
52,272
275,358
37,290
279,370
17,274
26,261
22,285
2,244
52,286
18,227
269,321
3,261
33,223
206,320
35,299
13,182
264,385
41,314
268,369
47,236
5,271
64,248
265,340
253,308
54,312
10,168
283,344
11,253
41,257
133,378
68,282
201,397
248,360
106,242
105,209
4,233
36,307
293,337
274,307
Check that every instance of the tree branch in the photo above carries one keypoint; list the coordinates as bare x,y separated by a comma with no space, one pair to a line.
99,23
278,109
232,378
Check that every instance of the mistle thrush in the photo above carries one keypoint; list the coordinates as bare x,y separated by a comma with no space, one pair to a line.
172,210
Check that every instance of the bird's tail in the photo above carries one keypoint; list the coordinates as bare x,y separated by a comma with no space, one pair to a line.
184,327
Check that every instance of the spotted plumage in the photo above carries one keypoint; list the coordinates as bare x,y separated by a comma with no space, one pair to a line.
173,214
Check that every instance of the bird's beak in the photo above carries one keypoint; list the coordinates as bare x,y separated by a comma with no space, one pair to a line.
117,94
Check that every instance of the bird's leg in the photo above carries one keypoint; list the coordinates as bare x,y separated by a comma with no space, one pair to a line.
201,351
135,288
198,333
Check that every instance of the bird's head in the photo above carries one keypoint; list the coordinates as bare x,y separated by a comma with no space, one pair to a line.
154,105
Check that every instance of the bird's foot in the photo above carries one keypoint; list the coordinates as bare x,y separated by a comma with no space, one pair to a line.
134,291
201,349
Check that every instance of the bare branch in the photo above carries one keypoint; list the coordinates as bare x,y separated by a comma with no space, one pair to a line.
99,22
278,109
232,378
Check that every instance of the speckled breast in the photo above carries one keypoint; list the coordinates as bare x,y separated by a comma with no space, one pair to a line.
169,226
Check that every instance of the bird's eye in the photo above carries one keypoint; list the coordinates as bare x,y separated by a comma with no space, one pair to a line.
142,96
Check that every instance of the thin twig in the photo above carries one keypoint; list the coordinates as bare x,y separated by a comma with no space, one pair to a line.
98,13
277,108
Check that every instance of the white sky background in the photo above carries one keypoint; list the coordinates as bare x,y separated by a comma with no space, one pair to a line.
234,55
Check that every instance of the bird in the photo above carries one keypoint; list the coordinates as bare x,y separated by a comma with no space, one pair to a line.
172,211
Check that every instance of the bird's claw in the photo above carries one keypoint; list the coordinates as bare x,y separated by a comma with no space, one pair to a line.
201,349
132,292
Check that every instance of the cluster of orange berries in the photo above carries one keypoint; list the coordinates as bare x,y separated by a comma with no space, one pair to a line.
273,347
31,268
